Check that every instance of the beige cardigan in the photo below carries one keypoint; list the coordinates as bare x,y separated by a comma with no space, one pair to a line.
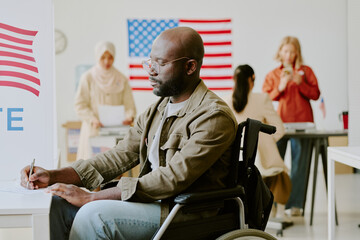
260,107
89,96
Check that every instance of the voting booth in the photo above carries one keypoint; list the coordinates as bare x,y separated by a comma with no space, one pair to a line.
27,86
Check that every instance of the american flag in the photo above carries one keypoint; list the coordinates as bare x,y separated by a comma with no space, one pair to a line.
322,107
17,63
217,37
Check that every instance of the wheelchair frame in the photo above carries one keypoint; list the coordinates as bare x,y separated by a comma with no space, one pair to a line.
232,193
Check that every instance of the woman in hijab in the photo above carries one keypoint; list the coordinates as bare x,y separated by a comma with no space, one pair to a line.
103,84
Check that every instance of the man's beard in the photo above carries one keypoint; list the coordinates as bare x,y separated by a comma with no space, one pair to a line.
172,87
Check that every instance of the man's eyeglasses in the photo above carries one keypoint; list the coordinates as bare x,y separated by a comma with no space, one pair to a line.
153,66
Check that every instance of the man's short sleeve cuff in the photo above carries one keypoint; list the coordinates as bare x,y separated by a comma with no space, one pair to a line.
89,176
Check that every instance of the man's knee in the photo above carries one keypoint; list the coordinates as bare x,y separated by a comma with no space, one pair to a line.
88,222
87,212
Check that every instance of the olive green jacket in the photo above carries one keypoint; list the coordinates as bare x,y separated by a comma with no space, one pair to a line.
194,154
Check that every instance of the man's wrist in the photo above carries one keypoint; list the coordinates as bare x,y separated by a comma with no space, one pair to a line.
113,193
55,176
64,175
93,196
52,177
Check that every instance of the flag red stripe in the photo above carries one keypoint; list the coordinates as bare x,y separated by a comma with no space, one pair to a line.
203,66
217,43
16,55
19,85
215,32
202,77
135,66
18,30
212,88
14,39
217,66
220,88
139,77
217,55
204,21
16,47
216,77
141,88
20,65
20,75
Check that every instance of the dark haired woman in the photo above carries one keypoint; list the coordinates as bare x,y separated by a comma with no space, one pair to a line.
246,104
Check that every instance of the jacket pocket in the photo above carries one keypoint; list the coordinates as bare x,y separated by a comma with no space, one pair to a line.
174,143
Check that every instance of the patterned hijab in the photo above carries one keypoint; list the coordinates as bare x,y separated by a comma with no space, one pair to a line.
108,80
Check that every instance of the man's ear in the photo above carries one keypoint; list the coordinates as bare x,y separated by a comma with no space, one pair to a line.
191,66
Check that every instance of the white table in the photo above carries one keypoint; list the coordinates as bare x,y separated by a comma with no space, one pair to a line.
26,210
346,155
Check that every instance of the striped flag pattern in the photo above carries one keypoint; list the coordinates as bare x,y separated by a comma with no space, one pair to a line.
217,37
17,63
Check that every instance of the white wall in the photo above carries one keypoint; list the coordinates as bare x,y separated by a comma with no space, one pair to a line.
354,63
258,26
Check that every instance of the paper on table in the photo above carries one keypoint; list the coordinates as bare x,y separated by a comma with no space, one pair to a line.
299,125
111,115
14,187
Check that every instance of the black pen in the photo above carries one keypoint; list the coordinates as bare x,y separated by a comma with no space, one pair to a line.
31,170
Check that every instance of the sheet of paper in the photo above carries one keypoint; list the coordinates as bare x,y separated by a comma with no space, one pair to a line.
299,125
15,187
111,115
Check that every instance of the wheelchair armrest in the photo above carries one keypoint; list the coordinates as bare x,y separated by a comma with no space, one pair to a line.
191,198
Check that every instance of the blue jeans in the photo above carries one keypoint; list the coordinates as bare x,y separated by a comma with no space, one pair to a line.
104,219
299,162
62,215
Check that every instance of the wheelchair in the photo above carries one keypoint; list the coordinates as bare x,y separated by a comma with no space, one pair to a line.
232,218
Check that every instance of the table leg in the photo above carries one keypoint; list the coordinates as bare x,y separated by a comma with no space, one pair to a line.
317,150
309,157
324,157
41,227
331,198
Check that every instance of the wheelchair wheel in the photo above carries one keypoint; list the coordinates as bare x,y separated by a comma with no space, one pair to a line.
246,234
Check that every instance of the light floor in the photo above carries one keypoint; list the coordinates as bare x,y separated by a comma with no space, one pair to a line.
348,205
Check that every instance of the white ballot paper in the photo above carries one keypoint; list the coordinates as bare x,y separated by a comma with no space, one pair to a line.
14,187
299,126
111,115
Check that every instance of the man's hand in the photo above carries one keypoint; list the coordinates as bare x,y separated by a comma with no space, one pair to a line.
71,193
40,177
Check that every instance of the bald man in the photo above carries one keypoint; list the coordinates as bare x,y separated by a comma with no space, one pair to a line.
182,143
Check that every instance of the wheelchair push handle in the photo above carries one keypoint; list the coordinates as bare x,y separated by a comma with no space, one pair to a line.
267,128
257,126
